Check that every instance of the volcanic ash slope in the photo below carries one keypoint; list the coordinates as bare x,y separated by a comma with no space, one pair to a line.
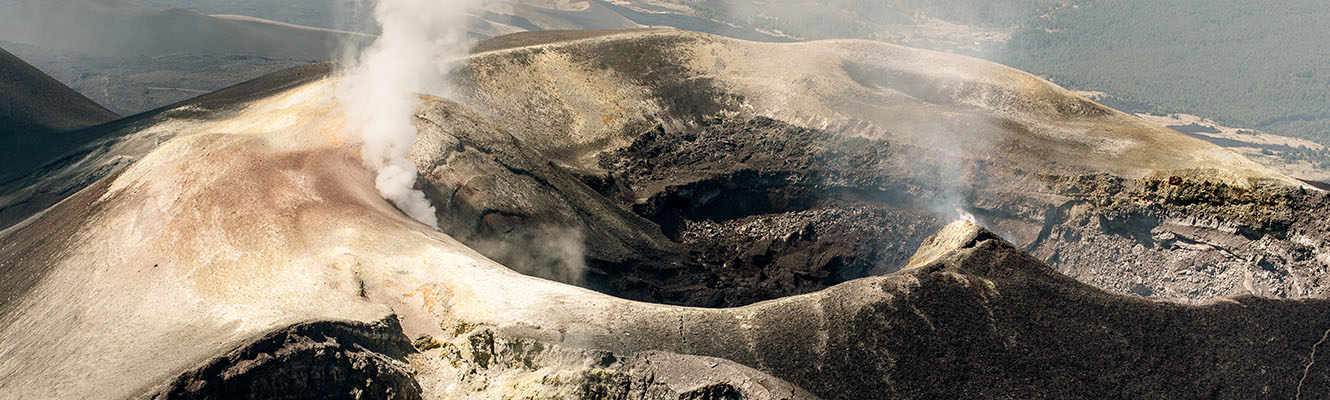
248,254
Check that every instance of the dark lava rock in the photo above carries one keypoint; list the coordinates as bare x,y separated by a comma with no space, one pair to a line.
774,255
318,360
725,214
767,209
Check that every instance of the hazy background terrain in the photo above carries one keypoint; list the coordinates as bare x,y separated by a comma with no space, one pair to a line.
1253,66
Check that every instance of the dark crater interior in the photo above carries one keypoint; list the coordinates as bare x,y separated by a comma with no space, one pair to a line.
715,213
728,212
764,209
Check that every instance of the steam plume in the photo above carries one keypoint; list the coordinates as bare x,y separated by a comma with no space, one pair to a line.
419,41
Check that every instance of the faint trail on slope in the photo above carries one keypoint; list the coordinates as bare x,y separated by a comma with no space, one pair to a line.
1306,370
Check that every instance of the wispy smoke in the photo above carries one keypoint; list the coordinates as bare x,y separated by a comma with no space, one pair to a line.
418,43
547,251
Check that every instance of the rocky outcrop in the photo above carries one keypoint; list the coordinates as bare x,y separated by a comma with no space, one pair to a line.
328,359
1187,240
482,363
320,360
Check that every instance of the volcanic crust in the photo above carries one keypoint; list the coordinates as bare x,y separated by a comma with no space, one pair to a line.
744,220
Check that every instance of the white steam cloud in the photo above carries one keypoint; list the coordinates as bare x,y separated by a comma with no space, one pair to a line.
419,42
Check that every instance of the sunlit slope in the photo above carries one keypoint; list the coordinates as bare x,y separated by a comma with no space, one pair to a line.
591,94
249,221
52,168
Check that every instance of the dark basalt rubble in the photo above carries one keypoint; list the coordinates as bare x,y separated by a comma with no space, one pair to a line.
766,209
772,255
729,214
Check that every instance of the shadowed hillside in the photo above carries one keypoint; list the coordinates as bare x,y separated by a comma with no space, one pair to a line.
133,58
38,103
35,107
114,28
